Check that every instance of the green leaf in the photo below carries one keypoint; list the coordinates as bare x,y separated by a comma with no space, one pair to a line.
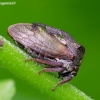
7,89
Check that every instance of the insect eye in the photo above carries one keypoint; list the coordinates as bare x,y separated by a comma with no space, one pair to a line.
81,49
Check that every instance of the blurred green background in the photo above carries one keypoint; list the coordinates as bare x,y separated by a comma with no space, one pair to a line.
80,18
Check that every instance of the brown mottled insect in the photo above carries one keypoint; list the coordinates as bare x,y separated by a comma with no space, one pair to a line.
50,46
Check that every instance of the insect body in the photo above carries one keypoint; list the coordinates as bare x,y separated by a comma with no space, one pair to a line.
50,46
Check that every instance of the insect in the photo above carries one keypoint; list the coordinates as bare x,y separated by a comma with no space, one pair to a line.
49,46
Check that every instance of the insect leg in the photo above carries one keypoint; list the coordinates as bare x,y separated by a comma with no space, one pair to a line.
48,62
56,65
56,69
68,78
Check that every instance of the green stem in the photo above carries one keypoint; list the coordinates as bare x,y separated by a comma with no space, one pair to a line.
13,59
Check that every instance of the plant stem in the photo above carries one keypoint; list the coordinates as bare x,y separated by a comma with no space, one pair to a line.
13,59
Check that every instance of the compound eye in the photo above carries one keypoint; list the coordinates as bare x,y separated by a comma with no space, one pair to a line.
81,49
80,52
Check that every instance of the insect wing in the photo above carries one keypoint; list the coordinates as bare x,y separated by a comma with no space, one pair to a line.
38,40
